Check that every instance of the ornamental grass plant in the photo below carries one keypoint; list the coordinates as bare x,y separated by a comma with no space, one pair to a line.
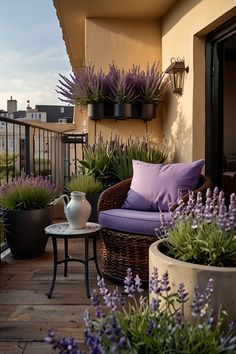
26,193
129,324
203,230
84,183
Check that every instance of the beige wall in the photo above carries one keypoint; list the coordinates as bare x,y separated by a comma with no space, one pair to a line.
183,35
126,42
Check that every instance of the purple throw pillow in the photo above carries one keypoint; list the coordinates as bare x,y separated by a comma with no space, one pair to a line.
154,185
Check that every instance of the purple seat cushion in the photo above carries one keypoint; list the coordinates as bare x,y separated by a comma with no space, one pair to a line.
140,222
154,185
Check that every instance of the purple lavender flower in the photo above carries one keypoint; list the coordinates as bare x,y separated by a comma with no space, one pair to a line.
198,304
182,294
129,287
165,284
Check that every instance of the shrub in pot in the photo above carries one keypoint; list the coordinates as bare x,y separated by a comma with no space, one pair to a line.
85,88
26,203
151,86
121,90
201,244
91,186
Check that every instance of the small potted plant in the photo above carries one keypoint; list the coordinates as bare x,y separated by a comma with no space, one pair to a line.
26,203
89,185
201,244
151,87
85,88
121,90
129,324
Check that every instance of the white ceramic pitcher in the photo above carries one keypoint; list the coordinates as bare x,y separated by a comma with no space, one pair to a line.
77,209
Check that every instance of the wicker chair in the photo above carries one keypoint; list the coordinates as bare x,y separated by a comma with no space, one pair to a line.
122,250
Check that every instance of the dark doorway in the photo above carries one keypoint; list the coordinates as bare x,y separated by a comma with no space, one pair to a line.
220,106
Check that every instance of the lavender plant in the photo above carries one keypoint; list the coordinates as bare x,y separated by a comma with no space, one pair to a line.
26,193
135,326
151,84
203,230
121,84
83,87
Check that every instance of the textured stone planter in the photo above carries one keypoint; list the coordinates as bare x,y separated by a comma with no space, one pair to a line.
197,275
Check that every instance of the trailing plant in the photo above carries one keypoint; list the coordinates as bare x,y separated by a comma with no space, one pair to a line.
203,231
84,183
131,325
26,193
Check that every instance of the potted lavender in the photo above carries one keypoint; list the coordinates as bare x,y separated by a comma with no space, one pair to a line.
121,88
85,88
26,204
151,87
201,244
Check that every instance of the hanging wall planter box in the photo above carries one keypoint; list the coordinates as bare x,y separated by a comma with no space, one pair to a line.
96,110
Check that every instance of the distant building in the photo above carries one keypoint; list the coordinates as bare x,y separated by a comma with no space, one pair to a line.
41,113
57,114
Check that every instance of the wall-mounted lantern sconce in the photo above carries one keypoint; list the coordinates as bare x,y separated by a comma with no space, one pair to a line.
177,70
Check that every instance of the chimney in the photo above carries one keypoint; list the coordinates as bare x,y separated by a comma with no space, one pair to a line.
11,105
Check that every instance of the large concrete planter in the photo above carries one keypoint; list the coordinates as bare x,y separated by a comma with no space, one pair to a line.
196,275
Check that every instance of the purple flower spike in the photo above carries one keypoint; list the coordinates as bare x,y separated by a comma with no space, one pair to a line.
165,284
182,294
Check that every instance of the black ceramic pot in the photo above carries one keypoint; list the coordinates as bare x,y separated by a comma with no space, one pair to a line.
96,110
93,200
25,231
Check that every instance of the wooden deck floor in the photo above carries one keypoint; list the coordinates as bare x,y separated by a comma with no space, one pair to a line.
26,313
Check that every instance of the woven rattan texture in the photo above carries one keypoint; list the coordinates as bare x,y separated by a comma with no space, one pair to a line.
120,251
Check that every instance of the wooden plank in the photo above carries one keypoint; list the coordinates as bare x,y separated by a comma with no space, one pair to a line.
13,347
30,332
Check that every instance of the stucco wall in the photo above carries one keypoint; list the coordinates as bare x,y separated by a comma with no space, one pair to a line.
183,35
126,42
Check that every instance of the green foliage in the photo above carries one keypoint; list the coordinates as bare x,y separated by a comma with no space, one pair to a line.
84,183
98,160
7,162
206,244
2,230
112,159
136,149
26,193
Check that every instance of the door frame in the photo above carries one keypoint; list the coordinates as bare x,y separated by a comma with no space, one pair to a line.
215,100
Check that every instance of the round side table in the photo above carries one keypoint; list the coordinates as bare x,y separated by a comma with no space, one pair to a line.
63,231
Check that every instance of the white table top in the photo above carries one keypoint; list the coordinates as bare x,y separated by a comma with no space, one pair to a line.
64,229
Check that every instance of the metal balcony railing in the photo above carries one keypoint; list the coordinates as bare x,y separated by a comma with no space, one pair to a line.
33,150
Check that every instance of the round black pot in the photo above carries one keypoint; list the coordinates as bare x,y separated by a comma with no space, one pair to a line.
93,200
122,110
146,111
25,231
96,110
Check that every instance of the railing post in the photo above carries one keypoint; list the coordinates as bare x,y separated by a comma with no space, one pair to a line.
27,150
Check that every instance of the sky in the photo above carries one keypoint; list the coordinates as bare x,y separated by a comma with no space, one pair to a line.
32,53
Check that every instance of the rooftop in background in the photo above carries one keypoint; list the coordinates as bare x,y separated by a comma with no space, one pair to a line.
57,114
